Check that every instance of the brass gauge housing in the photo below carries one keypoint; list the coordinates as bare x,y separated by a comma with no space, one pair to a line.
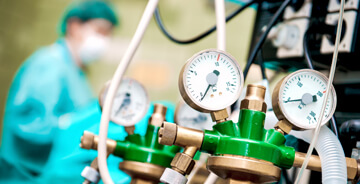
298,97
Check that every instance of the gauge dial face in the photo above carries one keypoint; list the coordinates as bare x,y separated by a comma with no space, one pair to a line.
301,96
130,103
188,117
211,80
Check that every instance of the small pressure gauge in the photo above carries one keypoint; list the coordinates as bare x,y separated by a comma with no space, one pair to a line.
298,99
211,80
130,104
188,117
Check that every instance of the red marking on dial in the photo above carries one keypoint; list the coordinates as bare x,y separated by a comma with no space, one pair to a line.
218,57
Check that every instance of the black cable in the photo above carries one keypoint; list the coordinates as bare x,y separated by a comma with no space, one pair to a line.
334,127
310,65
306,50
262,39
261,63
286,176
160,23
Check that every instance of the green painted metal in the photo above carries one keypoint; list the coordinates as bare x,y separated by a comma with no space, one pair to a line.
146,148
249,138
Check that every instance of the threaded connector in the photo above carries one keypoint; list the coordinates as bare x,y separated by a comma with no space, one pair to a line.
254,99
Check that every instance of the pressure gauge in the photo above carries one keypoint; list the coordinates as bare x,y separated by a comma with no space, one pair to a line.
188,117
211,80
298,99
130,104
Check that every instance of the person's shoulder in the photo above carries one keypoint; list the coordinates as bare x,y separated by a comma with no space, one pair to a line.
47,59
48,55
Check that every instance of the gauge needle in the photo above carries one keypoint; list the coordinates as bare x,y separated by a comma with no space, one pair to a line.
125,103
211,79
307,98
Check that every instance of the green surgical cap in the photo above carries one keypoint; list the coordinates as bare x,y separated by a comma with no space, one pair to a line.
86,10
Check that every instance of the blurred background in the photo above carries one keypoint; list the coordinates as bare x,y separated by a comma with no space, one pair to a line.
27,25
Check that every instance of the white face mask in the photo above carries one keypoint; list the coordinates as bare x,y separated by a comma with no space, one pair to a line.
93,47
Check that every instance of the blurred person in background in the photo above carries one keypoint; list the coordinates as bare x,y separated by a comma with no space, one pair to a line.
51,83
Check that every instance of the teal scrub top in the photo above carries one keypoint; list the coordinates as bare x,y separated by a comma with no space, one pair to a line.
47,85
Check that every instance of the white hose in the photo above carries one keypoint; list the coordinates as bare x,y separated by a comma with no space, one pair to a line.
331,77
115,82
198,165
211,179
220,24
333,163
221,45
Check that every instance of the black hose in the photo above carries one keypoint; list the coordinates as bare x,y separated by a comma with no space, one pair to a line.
160,23
351,128
262,39
262,66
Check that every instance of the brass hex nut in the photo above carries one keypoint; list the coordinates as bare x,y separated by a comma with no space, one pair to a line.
158,116
91,141
253,104
87,140
167,133
283,126
182,163
352,168
219,115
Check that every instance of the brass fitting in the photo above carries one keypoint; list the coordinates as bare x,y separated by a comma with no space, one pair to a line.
283,127
167,134
158,116
358,171
94,164
90,141
141,181
315,164
130,129
352,168
182,163
172,134
239,169
142,173
233,181
219,116
254,98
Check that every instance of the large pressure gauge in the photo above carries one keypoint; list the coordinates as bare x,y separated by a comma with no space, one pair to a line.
130,104
298,98
211,80
188,117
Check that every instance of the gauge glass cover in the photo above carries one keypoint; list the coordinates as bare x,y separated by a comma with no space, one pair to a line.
211,80
130,104
188,117
301,96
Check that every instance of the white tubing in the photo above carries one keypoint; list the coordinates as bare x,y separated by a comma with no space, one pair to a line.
220,24
331,77
221,45
115,82
198,165
333,163
211,179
